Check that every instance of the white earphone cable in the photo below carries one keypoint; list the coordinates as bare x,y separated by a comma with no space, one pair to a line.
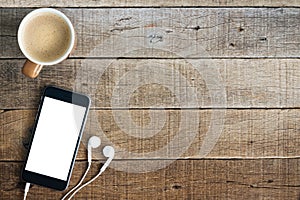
101,171
27,186
109,152
78,184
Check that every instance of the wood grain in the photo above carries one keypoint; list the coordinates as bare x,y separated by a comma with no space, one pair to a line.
188,179
249,83
246,134
257,154
150,3
171,32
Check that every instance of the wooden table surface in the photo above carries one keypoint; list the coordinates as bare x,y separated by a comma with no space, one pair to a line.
254,46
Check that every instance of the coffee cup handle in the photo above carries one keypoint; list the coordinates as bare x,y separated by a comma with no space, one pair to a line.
31,69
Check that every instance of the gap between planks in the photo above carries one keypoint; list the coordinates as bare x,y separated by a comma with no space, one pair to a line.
179,159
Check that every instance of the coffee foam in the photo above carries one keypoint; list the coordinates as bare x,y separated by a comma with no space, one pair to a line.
46,37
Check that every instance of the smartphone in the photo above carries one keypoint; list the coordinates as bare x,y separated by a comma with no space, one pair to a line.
55,138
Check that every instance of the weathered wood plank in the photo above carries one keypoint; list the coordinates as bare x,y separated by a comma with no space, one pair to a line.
151,3
189,179
167,32
248,83
246,134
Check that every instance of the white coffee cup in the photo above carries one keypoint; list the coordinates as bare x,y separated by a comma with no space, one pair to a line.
34,63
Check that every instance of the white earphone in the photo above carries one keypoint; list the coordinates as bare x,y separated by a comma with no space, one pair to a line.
94,142
108,152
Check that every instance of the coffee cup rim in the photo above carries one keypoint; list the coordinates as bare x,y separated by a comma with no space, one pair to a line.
45,10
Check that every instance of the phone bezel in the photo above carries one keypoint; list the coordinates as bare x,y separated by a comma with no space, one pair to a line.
66,96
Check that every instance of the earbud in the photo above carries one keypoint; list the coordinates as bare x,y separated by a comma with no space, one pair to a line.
94,142
108,152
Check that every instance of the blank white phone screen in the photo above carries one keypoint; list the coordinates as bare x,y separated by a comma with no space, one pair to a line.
55,138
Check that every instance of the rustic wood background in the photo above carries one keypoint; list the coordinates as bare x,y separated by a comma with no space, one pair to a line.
257,45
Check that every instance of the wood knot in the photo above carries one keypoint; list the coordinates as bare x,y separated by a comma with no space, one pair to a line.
263,39
176,187
155,38
196,28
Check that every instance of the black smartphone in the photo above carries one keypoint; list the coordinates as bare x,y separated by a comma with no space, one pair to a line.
55,138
